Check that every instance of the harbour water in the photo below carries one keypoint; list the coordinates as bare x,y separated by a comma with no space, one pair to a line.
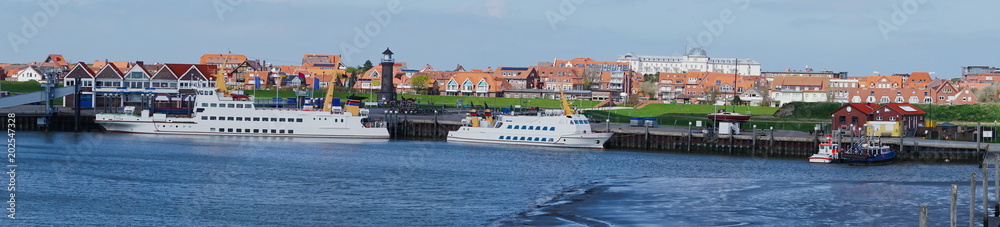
127,179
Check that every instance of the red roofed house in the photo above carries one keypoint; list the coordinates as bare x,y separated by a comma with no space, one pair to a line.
232,61
86,76
479,84
907,115
853,116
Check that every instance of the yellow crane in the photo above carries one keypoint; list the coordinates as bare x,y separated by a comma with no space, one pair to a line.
220,77
565,104
328,98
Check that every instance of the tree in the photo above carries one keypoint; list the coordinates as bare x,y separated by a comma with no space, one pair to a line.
368,65
712,97
737,100
420,83
591,77
988,94
649,88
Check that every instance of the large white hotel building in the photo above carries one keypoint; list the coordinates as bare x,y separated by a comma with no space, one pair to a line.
695,60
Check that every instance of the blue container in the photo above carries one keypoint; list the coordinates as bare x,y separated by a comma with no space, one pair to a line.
336,102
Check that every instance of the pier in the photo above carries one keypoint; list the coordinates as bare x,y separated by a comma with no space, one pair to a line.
765,143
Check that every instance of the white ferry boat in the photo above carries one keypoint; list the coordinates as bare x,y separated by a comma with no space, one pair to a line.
552,128
216,113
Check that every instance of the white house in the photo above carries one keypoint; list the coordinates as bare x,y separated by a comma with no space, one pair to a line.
29,73
696,60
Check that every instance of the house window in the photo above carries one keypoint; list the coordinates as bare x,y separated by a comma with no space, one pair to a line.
892,118
854,120
843,119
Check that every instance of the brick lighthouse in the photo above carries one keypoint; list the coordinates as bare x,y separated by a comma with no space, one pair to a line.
388,91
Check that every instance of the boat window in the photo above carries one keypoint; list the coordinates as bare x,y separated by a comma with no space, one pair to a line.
274,119
239,118
230,118
204,117
281,131
546,128
552,129
248,106
239,105
531,127
274,131
229,130
215,105
551,140
231,105
281,119
501,137
522,138
536,139
508,137
204,104
538,128
256,130
298,119
211,130
290,131
509,126
239,130
212,118
256,119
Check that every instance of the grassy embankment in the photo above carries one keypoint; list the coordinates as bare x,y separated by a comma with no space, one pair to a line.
451,101
16,88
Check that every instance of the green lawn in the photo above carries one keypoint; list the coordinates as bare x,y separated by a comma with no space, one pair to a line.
20,87
440,100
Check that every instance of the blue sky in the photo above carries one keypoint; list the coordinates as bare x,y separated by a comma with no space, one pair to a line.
858,36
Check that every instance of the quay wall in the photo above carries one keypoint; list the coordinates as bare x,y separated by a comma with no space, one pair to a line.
694,143
739,145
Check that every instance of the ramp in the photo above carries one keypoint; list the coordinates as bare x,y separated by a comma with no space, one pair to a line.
34,97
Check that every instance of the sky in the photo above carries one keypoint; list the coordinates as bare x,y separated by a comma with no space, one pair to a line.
860,37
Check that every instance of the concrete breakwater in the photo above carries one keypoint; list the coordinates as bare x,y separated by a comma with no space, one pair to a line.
762,145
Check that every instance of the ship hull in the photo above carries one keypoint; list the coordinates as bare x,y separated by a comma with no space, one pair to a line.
590,140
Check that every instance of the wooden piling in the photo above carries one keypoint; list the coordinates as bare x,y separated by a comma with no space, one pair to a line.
954,205
972,201
923,216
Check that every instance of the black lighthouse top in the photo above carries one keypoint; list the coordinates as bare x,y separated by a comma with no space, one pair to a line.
387,55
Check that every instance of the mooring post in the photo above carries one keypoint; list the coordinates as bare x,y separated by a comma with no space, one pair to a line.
76,111
923,216
770,145
972,201
690,136
954,205
996,185
986,195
